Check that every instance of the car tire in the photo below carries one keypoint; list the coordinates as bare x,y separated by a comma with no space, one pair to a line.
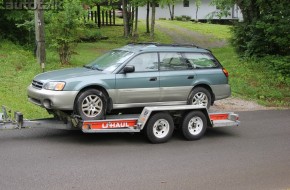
194,125
200,96
91,105
159,128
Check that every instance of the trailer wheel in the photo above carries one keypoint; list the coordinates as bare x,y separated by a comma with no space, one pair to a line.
91,105
194,125
159,128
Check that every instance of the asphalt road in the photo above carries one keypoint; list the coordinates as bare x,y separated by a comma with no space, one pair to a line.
255,155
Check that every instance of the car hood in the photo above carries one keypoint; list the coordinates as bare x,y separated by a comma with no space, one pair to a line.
64,74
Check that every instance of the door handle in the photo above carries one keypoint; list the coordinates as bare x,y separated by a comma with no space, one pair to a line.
153,79
190,77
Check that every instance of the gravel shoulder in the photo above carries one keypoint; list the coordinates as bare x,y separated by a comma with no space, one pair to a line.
238,104
185,36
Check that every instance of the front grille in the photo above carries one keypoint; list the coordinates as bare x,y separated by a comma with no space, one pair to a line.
37,84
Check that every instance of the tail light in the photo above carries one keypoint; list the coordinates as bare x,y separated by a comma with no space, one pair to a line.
226,72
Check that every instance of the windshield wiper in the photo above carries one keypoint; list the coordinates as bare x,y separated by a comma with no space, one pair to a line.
87,66
92,67
96,68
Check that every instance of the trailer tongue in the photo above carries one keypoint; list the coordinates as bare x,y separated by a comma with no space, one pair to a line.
157,122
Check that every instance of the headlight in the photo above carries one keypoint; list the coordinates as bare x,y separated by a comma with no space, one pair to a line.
57,86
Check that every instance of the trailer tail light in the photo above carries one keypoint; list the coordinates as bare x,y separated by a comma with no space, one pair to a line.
226,72
221,116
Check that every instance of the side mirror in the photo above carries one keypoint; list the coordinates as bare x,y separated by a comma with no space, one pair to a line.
129,69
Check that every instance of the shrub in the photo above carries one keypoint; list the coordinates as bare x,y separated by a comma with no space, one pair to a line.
183,18
64,29
179,18
90,35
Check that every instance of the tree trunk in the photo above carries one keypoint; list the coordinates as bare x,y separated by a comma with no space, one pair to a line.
125,18
135,30
196,20
40,35
171,11
172,17
132,19
249,9
136,20
147,18
152,20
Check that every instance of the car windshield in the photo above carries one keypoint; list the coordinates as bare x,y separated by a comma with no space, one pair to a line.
110,61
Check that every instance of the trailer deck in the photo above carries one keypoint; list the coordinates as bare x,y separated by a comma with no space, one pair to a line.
158,122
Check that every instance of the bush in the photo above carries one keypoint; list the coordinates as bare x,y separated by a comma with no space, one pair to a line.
90,35
183,18
64,29
267,34
17,26
280,64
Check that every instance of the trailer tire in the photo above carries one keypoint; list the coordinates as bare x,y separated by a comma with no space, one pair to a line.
91,104
194,125
159,128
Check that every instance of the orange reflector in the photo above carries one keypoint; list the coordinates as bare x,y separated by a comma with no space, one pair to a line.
221,116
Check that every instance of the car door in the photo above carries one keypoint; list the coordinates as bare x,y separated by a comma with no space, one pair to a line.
142,85
176,77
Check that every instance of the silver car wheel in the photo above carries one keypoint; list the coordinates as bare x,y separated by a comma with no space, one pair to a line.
195,125
200,98
92,106
161,128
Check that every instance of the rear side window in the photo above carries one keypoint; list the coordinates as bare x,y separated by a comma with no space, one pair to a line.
171,61
200,60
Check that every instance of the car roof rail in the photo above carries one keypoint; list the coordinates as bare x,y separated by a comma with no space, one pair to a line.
179,45
172,45
144,43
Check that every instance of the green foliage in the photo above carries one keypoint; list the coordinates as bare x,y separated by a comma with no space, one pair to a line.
264,34
256,79
279,64
268,34
64,28
90,35
17,26
223,6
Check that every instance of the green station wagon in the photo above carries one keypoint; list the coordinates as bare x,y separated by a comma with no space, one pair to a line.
135,75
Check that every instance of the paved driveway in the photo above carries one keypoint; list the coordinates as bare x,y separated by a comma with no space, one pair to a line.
255,155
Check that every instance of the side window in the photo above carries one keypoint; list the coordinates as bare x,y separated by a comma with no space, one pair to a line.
200,60
145,62
172,61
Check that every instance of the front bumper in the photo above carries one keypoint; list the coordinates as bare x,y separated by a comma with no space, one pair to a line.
61,100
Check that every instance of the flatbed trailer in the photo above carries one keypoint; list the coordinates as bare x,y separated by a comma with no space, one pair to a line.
157,122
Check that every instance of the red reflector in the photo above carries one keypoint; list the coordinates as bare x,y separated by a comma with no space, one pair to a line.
226,72
218,116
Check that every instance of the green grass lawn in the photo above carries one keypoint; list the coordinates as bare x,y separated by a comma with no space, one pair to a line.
214,30
251,80
18,67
